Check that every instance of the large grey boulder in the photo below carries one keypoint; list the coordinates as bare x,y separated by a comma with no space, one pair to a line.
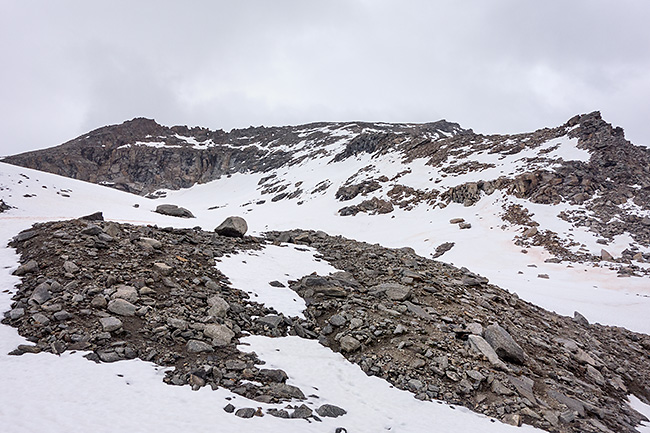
479,345
173,210
233,226
503,344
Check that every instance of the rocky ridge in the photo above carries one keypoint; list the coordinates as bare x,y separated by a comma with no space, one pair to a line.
122,291
607,185
141,156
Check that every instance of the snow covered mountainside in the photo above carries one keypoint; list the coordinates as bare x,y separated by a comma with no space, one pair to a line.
559,217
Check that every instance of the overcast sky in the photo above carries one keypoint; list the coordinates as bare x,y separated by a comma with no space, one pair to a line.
496,66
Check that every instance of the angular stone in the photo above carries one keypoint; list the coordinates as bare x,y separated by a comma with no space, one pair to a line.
479,345
173,210
270,320
197,346
282,390
605,255
30,266
331,411
393,291
503,344
122,307
177,323
246,412
221,335
218,306
337,320
274,375
91,230
16,313
162,268
349,343
153,243
418,311
41,319
110,324
127,293
302,411
41,294
232,226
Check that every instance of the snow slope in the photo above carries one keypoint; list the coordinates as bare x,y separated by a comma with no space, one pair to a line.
67,393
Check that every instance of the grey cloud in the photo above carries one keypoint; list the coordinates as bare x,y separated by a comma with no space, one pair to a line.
498,66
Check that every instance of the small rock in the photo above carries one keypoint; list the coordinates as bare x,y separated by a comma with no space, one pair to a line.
480,346
41,294
337,320
274,375
229,408
543,276
62,315
301,411
153,243
580,319
91,230
271,320
221,335
456,220
197,346
30,266
98,301
162,268
605,255
110,324
127,293
246,412
16,313
122,307
349,344
464,226
218,306
177,323
41,319
331,411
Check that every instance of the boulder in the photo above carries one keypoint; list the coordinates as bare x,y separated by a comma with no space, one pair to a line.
221,335
122,307
233,226
503,344
173,210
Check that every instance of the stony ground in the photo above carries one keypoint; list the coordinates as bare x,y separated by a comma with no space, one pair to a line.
121,291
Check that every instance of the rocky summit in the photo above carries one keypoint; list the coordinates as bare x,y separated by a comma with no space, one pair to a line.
122,291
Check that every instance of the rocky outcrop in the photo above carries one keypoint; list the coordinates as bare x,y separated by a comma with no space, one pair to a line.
141,156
